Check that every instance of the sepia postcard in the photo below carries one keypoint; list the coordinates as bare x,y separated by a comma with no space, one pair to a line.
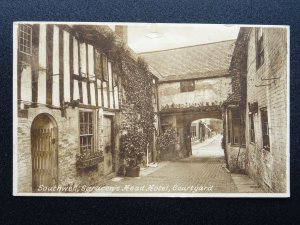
150,110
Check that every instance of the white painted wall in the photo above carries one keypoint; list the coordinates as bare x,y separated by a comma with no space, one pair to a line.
84,93
76,69
83,59
67,91
55,78
42,85
75,56
105,95
111,96
93,94
99,93
91,62
26,84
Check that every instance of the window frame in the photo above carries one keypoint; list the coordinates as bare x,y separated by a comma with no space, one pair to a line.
187,86
89,134
259,47
20,30
229,125
236,122
251,128
265,129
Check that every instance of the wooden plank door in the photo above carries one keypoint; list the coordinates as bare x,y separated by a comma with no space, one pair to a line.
107,139
44,157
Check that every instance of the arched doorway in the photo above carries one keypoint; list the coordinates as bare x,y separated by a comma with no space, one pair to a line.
44,146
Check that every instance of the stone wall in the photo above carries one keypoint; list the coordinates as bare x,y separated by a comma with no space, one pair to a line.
68,147
206,90
236,158
269,168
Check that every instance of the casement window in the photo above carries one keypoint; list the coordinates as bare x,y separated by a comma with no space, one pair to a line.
25,39
251,128
86,132
259,40
236,129
265,129
187,86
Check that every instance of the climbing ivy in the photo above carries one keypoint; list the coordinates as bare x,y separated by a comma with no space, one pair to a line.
137,112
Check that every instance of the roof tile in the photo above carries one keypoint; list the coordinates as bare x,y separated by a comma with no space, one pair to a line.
205,60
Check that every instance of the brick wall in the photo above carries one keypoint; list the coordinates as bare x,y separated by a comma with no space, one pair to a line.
269,167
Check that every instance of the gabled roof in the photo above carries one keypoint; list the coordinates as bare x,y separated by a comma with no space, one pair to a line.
198,61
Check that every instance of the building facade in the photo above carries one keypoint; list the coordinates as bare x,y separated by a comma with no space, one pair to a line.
69,105
193,83
200,131
256,114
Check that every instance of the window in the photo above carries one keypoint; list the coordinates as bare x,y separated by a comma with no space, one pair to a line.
235,127
229,126
25,39
186,86
236,130
259,39
251,128
86,132
265,128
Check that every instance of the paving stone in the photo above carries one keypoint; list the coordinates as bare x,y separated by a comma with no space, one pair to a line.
195,174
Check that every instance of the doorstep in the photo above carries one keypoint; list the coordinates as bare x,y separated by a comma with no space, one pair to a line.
245,184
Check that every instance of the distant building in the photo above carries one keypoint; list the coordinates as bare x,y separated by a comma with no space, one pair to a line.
255,115
201,130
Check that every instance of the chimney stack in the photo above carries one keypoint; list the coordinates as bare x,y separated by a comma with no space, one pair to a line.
122,32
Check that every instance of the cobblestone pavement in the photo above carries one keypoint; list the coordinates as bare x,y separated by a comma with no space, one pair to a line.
200,173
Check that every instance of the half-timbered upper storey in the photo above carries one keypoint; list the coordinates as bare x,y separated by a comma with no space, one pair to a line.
58,67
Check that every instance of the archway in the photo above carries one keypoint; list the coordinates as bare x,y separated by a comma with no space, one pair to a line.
44,146
181,120
206,137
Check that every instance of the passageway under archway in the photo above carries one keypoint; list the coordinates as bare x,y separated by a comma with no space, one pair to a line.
206,138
